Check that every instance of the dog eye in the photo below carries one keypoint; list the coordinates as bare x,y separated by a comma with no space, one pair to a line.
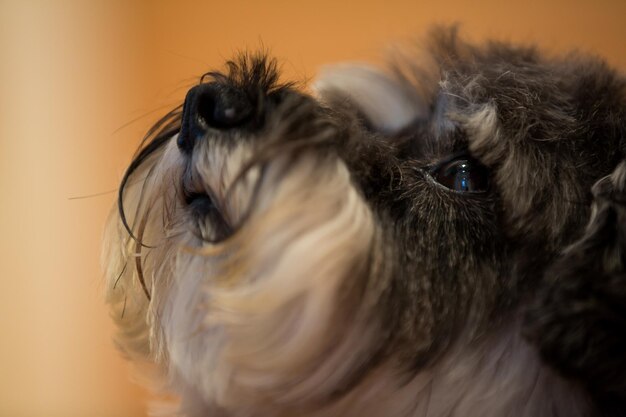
463,174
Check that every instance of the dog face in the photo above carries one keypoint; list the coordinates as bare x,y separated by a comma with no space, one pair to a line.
367,250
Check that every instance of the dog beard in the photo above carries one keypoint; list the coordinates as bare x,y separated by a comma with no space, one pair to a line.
369,251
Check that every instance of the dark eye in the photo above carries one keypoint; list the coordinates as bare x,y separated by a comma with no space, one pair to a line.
463,174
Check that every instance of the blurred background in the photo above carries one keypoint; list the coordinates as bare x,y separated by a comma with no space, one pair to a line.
80,81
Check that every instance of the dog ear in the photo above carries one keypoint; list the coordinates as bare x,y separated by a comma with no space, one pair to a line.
385,103
579,319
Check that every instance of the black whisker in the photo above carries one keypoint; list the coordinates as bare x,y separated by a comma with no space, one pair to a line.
120,275
158,135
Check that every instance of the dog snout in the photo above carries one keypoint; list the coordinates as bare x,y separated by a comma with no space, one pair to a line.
209,106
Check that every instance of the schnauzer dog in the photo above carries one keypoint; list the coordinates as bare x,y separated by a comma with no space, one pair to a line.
443,239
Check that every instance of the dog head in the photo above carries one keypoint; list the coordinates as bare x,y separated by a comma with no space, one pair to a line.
359,250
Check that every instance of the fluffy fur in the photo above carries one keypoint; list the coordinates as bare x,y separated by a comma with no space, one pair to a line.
325,255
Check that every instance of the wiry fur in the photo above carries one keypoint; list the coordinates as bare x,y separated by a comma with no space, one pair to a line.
335,276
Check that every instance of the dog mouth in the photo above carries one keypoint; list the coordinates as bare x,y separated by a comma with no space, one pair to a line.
208,219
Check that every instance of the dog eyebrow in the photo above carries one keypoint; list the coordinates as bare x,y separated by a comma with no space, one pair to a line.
439,135
445,136
438,145
429,144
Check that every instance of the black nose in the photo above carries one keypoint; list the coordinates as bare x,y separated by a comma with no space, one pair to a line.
212,106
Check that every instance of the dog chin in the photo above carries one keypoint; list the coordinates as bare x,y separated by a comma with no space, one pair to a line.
274,287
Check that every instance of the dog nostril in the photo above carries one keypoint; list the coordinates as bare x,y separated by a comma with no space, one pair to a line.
223,109
212,106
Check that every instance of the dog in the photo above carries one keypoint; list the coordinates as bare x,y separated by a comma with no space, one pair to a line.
442,238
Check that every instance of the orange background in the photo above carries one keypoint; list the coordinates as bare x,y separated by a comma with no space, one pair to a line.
80,81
